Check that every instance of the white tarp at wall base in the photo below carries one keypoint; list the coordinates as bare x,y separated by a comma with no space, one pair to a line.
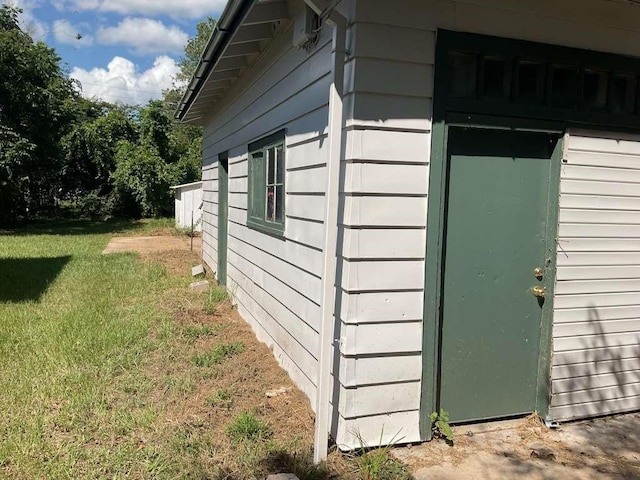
188,205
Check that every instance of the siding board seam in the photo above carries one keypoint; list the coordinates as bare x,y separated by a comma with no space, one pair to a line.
277,279
240,240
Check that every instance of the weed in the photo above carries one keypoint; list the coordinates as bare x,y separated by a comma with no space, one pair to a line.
197,331
218,354
377,463
221,398
217,294
247,426
440,425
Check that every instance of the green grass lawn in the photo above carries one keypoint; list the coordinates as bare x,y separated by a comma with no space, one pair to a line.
110,368
74,323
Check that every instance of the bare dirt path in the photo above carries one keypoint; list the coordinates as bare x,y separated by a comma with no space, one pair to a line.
152,244
606,448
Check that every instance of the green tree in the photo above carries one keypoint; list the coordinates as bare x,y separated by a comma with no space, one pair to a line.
37,102
155,129
141,180
91,145
194,49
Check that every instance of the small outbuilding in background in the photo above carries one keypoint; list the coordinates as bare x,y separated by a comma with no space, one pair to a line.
188,205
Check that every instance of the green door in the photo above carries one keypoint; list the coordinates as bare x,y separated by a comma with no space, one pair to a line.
223,216
494,239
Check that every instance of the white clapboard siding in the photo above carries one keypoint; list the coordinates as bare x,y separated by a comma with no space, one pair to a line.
277,341
382,338
613,355
210,211
597,297
388,102
382,276
379,399
367,243
577,370
377,430
378,307
360,371
276,281
386,180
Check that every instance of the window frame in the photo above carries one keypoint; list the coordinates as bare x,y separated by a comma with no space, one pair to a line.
259,183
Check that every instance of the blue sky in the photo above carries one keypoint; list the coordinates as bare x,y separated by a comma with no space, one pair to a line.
119,50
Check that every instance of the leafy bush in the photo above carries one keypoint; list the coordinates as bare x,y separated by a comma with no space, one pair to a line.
141,181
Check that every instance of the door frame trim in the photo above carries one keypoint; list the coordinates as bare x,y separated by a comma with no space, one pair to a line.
429,401
223,217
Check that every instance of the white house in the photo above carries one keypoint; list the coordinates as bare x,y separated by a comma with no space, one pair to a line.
188,205
426,204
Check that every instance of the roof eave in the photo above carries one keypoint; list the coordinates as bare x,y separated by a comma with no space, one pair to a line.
228,23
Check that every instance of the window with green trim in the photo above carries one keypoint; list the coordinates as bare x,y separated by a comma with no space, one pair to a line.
266,184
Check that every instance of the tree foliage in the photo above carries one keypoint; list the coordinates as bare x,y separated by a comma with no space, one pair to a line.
142,180
193,51
36,107
60,151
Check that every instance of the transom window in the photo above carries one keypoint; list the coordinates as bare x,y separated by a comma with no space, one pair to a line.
532,82
266,200
497,76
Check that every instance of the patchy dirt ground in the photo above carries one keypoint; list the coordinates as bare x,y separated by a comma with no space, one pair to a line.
607,448
238,385
198,406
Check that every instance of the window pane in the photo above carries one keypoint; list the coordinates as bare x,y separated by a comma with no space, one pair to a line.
493,77
595,88
280,159
564,86
255,190
530,88
623,97
280,204
463,74
271,204
271,167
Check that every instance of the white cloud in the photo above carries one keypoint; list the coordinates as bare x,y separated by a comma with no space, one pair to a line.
122,82
66,32
144,36
171,8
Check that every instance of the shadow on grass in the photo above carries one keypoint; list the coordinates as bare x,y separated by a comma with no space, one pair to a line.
27,279
74,227
280,460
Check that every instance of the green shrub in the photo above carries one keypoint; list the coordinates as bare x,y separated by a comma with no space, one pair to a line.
141,180
247,426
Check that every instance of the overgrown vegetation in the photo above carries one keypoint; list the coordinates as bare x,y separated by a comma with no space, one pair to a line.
378,463
61,154
440,425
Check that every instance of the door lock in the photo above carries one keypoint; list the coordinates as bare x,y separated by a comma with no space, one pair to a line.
538,273
539,292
